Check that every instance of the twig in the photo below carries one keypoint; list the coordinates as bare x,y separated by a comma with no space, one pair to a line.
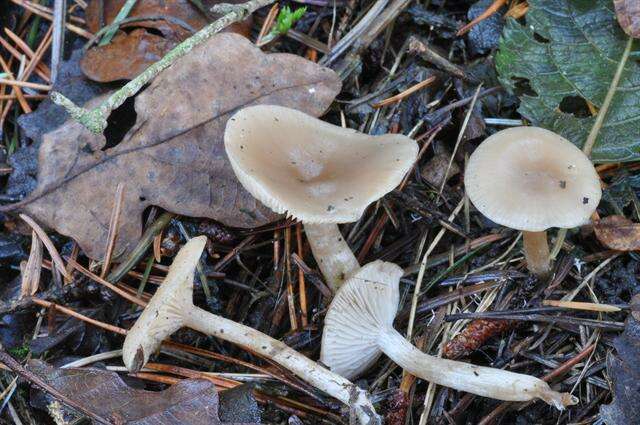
355,33
493,8
73,28
138,252
423,266
53,252
463,129
607,308
302,288
57,47
27,51
16,367
113,229
26,84
72,313
421,48
103,282
524,315
16,54
96,119
398,97
16,89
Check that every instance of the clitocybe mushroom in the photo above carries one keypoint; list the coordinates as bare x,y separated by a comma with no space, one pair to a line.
359,327
171,308
531,179
316,172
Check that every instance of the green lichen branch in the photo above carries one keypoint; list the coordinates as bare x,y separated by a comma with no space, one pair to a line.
96,119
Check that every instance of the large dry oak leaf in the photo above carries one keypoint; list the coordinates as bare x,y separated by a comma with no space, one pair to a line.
173,156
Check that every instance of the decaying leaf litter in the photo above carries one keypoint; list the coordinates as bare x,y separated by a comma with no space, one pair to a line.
400,68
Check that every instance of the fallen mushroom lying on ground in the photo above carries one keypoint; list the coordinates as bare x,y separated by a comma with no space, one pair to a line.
531,179
358,328
171,308
319,173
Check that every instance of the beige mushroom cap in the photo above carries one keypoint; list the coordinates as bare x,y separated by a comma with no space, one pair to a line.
312,170
529,178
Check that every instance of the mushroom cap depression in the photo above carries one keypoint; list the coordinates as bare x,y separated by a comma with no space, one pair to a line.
165,312
314,171
365,305
529,178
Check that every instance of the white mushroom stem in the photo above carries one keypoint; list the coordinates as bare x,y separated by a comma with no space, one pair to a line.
483,381
333,255
536,251
277,351
171,308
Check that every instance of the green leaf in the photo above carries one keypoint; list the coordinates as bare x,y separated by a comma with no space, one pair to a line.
566,56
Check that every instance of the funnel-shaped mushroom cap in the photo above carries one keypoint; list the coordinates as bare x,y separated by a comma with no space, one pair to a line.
364,306
529,178
315,171
164,313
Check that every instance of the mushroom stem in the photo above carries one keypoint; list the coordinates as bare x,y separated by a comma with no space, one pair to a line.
333,255
277,351
171,308
536,251
479,380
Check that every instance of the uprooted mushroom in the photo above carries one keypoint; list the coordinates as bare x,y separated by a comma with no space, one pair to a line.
319,173
172,308
358,328
531,179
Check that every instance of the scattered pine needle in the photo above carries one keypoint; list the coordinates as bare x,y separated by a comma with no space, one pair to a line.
493,8
576,305
398,97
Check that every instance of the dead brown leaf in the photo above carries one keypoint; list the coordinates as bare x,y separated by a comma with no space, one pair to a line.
628,14
618,232
157,26
623,369
125,57
173,156
192,401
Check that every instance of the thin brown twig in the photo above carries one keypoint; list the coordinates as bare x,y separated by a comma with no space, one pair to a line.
27,51
48,16
113,229
79,316
26,84
492,9
107,284
34,379
398,97
302,288
53,252
16,89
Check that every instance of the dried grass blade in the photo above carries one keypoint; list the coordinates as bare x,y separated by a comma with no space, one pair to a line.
113,229
51,249
32,268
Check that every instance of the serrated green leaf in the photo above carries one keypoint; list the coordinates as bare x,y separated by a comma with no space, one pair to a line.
568,52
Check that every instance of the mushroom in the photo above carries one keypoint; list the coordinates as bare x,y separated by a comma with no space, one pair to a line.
171,308
358,327
319,173
531,179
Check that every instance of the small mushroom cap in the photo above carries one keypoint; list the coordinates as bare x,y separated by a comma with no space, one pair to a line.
529,178
365,305
314,171
164,313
